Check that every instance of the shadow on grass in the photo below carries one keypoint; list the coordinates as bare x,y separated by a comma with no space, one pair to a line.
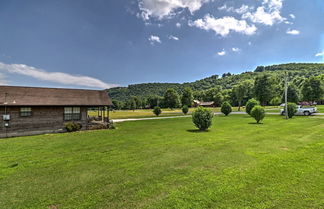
197,131
255,123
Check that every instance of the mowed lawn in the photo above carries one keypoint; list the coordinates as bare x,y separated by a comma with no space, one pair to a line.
168,164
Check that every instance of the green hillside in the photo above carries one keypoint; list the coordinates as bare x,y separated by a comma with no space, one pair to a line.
297,71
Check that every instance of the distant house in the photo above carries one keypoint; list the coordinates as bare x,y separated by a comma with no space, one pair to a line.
31,110
198,103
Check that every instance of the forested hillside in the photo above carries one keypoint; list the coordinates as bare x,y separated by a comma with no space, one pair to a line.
298,72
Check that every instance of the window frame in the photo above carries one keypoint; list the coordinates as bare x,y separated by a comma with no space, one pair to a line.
24,113
73,115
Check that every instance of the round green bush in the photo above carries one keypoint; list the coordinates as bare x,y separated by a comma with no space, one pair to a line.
250,104
185,109
157,110
292,109
258,113
226,108
71,126
202,118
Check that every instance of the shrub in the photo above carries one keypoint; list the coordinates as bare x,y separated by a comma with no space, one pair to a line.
202,118
226,108
292,109
157,110
71,126
275,101
258,113
250,104
185,109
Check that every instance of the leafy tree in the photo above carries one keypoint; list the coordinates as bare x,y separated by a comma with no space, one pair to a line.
312,89
154,100
264,86
171,99
292,109
275,101
258,113
292,94
250,104
214,95
187,97
185,109
226,108
202,118
157,110
242,90
118,105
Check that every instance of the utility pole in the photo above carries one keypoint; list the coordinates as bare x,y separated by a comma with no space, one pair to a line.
286,95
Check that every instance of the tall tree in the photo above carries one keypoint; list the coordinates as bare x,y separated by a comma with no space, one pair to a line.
312,89
292,94
243,90
264,88
187,97
171,99
215,95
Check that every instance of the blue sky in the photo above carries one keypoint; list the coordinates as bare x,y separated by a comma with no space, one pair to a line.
100,43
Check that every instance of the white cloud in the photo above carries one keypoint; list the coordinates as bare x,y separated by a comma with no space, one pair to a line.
221,53
234,49
320,54
2,80
293,32
223,26
154,39
56,77
292,16
243,9
178,25
161,9
173,38
264,17
268,14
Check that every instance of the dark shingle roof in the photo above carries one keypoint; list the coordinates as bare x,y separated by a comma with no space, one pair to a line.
34,96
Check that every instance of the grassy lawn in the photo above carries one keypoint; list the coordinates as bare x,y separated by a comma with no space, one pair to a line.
121,114
168,164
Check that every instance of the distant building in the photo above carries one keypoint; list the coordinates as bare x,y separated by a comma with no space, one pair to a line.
31,110
198,103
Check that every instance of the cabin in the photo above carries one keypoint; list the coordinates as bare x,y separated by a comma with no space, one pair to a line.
33,110
198,103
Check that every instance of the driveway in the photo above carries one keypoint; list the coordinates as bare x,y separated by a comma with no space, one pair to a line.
186,116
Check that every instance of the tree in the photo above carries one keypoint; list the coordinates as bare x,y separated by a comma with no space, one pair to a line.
215,95
157,110
258,113
292,109
171,99
118,105
250,104
243,90
226,108
187,97
202,118
154,100
185,109
263,87
312,89
292,94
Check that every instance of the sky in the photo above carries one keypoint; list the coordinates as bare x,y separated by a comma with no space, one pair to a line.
101,44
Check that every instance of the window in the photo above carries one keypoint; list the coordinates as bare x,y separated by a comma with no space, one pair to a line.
72,113
25,111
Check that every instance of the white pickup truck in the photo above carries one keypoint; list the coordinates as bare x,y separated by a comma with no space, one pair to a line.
302,110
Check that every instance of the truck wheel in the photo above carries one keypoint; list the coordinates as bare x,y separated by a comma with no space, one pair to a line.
307,113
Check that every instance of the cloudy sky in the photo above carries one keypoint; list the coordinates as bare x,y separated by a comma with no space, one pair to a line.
101,44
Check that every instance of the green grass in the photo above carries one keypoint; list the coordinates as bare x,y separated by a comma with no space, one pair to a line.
146,113
168,164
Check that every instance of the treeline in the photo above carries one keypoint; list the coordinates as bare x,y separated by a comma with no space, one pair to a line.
266,85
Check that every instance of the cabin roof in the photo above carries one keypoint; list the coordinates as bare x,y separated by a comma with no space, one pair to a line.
35,96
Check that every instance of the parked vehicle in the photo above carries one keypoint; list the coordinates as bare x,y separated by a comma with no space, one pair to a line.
301,110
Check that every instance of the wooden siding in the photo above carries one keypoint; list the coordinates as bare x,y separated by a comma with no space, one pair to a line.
43,120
